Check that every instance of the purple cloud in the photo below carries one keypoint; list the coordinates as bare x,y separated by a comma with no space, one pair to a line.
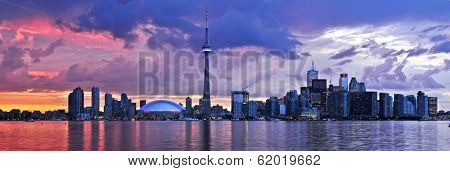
441,47
447,64
37,54
345,53
328,71
416,51
438,38
346,61
13,58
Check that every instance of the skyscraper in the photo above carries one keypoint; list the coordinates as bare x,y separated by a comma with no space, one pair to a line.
291,103
108,109
254,108
337,102
422,105
343,81
353,86
271,107
399,105
188,105
412,109
205,101
95,101
76,103
363,105
123,105
319,94
311,75
239,99
385,105
433,107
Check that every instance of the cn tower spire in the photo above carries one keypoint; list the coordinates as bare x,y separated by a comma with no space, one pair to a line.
206,46
206,26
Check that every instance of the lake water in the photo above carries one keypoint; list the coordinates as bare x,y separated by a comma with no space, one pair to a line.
225,135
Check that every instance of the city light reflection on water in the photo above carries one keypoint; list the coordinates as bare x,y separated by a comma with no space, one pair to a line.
225,135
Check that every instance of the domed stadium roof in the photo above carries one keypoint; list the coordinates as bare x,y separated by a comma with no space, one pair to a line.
162,106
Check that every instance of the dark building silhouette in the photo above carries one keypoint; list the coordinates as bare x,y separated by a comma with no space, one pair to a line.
422,105
291,101
239,100
108,108
399,105
337,102
142,103
271,107
319,94
95,101
363,105
433,107
385,105
76,103
411,105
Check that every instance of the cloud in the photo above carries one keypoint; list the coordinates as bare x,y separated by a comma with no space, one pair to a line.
447,64
441,47
416,51
390,75
328,71
346,61
438,38
425,80
345,53
435,28
13,58
37,54
179,24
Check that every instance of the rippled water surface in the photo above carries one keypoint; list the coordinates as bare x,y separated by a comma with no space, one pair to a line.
225,135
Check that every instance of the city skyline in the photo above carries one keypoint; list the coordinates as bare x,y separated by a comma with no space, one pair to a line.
46,52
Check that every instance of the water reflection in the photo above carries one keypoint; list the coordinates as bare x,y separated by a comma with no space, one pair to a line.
224,135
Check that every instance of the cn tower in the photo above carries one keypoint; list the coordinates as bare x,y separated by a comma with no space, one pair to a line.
205,101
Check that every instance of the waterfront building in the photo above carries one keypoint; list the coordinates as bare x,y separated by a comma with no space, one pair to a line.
271,107
422,105
238,100
399,105
76,103
363,105
131,111
123,105
319,94
108,108
433,107
281,109
304,99
291,102
254,109
338,102
95,101
162,110
217,111
385,105
412,110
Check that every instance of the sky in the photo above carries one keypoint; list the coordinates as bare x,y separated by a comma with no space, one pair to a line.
47,48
